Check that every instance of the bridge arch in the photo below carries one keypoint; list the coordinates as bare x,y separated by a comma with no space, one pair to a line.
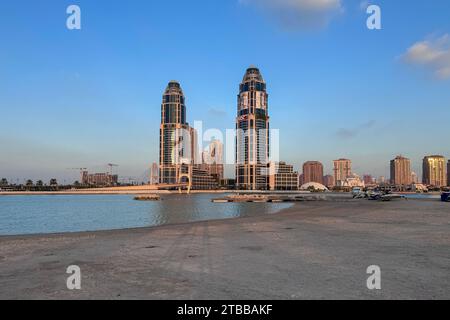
185,175
180,181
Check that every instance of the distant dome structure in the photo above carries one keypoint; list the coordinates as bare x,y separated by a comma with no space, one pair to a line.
315,185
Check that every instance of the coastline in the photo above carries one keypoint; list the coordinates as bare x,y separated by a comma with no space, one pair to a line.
87,192
333,197
312,250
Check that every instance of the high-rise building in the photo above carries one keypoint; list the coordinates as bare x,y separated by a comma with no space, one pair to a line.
282,177
414,178
177,138
401,171
312,172
252,125
448,173
212,160
154,173
342,170
328,181
214,154
368,179
434,171
300,179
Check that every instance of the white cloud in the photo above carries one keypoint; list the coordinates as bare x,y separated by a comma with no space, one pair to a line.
363,5
299,14
433,54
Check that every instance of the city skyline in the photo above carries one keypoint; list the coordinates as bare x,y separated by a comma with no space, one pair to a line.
174,114
338,84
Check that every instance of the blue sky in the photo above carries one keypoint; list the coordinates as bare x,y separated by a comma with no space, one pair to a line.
84,98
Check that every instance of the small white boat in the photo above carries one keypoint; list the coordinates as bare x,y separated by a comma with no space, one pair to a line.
220,201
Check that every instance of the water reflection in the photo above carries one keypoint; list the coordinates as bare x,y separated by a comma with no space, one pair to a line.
51,214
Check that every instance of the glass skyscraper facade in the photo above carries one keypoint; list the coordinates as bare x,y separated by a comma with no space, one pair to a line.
252,139
177,139
178,154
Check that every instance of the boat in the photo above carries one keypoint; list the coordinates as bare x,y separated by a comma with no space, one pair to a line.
220,200
151,197
391,196
375,196
445,197
361,195
357,191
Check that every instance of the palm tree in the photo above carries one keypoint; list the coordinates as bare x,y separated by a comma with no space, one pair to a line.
3,182
29,183
39,183
53,182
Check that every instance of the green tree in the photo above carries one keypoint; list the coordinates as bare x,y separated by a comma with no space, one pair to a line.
39,183
29,183
53,182
3,182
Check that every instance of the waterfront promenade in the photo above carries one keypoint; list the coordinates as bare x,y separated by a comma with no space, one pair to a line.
314,250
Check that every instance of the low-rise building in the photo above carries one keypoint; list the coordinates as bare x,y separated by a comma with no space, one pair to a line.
282,177
99,179
198,178
419,188
351,182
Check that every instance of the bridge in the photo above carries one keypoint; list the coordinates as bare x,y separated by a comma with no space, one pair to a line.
148,188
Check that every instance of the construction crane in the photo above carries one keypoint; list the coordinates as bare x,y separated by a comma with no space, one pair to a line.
111,165
81,172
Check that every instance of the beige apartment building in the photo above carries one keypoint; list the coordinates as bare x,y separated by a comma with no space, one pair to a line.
435,171
282,177
312,172
342,170
401,174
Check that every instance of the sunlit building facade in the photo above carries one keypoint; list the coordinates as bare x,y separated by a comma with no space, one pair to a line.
282,177
401,174
342,170
177,138
312,172
435,171
252,136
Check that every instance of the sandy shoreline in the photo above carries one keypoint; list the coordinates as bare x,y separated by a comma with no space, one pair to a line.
313,250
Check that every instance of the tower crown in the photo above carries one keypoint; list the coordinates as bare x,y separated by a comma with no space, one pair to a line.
253,73
173,87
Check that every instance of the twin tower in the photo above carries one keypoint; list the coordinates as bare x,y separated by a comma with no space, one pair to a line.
178,141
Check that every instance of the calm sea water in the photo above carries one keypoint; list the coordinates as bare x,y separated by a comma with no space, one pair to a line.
54,214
